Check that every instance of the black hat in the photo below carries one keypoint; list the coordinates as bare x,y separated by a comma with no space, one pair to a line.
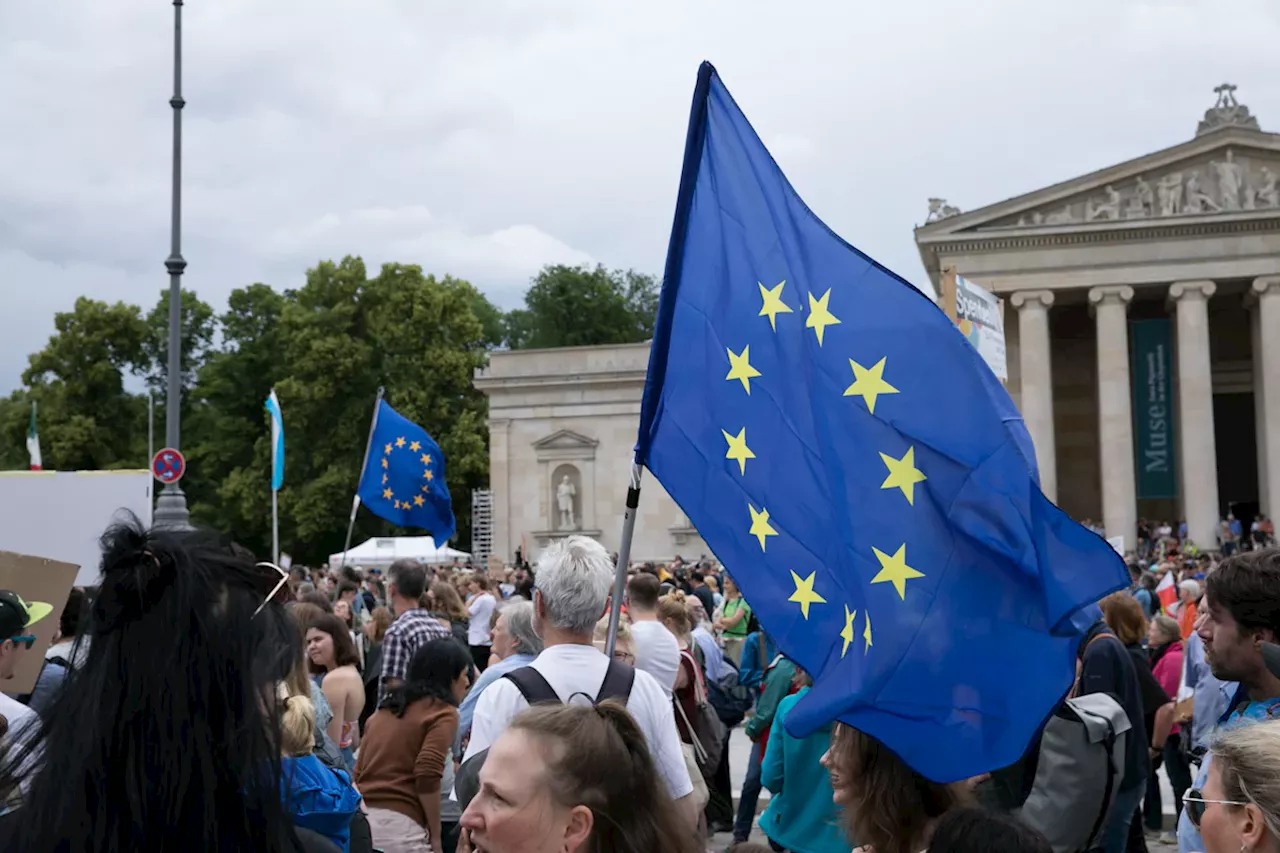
16,614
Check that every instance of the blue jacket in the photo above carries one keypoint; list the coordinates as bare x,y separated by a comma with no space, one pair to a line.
320,799
800,816
750,673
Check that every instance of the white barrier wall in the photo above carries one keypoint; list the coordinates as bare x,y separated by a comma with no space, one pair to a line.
61,514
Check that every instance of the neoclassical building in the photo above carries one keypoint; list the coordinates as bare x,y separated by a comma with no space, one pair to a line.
562,428
1142,320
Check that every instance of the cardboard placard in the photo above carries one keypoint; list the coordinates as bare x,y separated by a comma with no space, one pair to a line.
35,579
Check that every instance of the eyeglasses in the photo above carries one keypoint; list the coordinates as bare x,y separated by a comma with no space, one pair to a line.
270,571
1195,803
624,657
27,641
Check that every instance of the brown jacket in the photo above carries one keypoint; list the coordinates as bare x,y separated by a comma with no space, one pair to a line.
403,757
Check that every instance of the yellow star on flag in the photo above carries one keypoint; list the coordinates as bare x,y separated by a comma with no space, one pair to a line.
773,304
804,594
426,488
738,450
428,475
384,479
903,474
426,460
760,527
384,462
819,316
866,631
740,368
400,441
869,384
846,633
895,570
387,449
415,446
418,500
387,493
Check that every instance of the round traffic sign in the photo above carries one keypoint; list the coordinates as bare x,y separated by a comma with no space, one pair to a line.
168,465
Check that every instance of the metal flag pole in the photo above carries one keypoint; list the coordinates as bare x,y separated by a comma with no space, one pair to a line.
624,557
355,501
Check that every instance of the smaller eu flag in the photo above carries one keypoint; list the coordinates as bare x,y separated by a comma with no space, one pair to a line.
859,470
277,441
403,479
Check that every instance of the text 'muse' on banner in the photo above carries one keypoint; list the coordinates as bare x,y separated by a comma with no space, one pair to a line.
862,474
403,479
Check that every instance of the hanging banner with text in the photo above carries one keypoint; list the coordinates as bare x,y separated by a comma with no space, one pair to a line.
978,314
1153,409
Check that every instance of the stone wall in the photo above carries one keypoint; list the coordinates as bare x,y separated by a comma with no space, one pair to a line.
573,412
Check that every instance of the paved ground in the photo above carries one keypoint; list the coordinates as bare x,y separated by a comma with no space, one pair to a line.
740,751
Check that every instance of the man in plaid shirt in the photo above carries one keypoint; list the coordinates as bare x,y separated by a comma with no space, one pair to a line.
413,627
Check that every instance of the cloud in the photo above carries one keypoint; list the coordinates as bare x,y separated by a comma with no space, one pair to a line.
485,140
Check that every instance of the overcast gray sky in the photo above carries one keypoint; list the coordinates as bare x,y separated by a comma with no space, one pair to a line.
487,139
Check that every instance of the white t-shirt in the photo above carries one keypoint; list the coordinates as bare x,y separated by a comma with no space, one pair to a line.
19,717
574,669
657,653
481,610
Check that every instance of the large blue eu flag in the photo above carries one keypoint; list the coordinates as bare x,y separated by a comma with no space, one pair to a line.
403,479
859,470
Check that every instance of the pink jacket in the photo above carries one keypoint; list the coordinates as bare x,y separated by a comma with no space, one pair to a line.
1168,672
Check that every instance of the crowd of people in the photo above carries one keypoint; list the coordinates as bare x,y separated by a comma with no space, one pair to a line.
201,700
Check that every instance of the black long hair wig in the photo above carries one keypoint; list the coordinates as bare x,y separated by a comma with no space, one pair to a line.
167,737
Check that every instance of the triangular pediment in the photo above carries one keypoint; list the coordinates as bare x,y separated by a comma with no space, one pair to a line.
565,439
1229,171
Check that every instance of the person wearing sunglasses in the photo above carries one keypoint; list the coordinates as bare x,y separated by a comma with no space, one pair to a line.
16,619
1238,809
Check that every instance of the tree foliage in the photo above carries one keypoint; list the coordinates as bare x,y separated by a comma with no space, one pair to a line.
581,306
326,348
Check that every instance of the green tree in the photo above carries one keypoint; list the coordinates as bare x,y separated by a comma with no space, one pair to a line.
580,306
87,419
197,330
327,348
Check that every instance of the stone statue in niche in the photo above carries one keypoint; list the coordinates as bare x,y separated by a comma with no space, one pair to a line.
1198,201
1230,181
1169,193
1268,195
565,493
1109,209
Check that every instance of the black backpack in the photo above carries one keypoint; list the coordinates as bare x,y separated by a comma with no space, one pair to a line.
618,679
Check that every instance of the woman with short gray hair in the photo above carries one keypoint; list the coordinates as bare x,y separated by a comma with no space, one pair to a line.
515,644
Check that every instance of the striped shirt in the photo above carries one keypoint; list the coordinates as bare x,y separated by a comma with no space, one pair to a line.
411,631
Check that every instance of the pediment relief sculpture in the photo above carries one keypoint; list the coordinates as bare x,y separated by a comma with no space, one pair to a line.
1226,183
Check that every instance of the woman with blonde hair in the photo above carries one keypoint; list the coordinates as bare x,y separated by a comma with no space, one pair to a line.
1239,806
319,798
572,779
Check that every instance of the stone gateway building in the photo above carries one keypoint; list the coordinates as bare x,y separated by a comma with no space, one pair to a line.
562,428
1142,320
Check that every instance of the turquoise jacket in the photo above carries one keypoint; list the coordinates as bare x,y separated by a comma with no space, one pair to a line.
800,816
777,683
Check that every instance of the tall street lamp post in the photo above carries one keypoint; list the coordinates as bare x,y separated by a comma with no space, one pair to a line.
171,507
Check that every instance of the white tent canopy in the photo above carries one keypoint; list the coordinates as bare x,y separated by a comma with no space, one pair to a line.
382,551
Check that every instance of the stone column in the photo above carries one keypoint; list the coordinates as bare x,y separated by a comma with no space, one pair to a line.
1037,381
1115,417
505,540
1267,291
1199,475
1259,403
